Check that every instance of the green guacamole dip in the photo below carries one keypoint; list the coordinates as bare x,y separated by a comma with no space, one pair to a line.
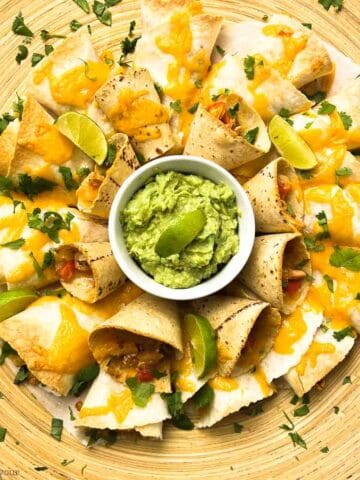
165,198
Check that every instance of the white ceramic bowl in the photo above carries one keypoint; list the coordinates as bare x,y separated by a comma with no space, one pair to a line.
203,168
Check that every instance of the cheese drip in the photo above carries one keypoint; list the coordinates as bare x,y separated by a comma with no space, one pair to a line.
311,356
119,404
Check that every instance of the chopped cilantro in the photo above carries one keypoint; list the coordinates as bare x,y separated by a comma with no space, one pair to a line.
157,374
323,223
83,172
297,440
348,258
36,265
102,13
233,111
176,410
288,427
36,58
251,135
48,49
193,108
336,4
49,259
15,244
326,108
111,155
69,182
346,120
347,380
176,106
84,378
45,36
33,186
345,332
204,397
329,282
22,54
308,25
336,410
294,400
56,428
65,462
324,450
238,428
6,350
308,125
301,411
317,97
3,432
19,27
83,4
71,413
313,245
141,391
4,122
249,67
50,223
220,50
75,25
159,89
198,83
290,209
22,375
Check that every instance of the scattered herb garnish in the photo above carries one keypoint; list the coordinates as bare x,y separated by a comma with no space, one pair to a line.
48,49
22,375
45,35
83,4
346,120
158,88
83,378
233,111
249,67
51,223
308,25
36,58
83,469
102,13
302,263
176,106
290,209
83,172
75,25
323,327
4,121
329,282
176,410
15,244
323,223
110,156
6,350
294,400
204,397
285,114
317,97
220,50
336,4
69,181
254,410
348,258
324,450
308,125
18,106
22,54
297,440
193,108
306,399
301,411
289,427
342,172
36,265
128,44
347,380
238,428
40,469
313,245
3,432
65,462
141,391
336,410
56,428
157,374
72,416
251,135
357,296
19,27
326,108
345,332
33,186
198,83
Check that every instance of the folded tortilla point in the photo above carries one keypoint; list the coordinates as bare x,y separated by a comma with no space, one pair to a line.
92,270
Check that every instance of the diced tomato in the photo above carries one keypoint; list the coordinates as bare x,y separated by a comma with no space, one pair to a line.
293,286
284,186
65,270
144,374
218,109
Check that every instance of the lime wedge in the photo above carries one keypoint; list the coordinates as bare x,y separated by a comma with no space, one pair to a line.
85,134
180,233
202,343
15,301
290,145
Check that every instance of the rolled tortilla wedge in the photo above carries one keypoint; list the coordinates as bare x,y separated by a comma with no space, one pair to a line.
245,329
69,77
96,193
323,355
109,404
41,149
248,170
140,338
292,49
276,198
8,141
276,270
94,272
267,93
211,138
131,103
155,12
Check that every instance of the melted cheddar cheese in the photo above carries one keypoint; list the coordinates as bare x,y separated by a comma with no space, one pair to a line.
263,383
226,384
311,356
119,404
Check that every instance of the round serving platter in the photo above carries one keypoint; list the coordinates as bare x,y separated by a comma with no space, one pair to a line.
262,450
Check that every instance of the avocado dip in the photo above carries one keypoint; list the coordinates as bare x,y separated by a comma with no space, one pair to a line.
158,205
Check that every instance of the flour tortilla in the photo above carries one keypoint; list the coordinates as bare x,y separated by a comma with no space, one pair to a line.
210,138
155,12
233,319
303,382
103,277
247,38
124,165
8,141
103,387
137,80
271,213
279,92
263,272
72,52
248,170
32,331
24,160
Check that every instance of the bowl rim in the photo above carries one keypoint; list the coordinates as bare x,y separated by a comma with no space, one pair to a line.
246,228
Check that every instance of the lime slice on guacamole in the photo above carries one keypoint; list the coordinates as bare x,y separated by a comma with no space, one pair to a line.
290,145
15,301
180,233
202,343
85,134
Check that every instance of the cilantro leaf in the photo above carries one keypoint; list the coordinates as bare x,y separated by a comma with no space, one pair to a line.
33,186
336,4
45,35
346,120
48,49
324,450
51,223
22,375
83,4
84,378
249,67
49,259
75,25
251,135
301,411
69,182
141,391
19,27
18,106
176,410
36,58
111,155
182,422
238,428
204,397
297,440
56,428
220,50
348,258
176,106
345,332
347,380
102,13
15,244
6,350
313,245
193,108
3,432
233,111
323,223
317,97
36,264
4,122
326,108
329,282
22,54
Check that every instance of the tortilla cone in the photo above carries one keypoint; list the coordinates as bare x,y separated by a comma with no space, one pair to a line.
210,138
8,141
263,272
25,160
307,374
233,319
348,101
104,276
248,170
137,81
271,213
124,165
154,12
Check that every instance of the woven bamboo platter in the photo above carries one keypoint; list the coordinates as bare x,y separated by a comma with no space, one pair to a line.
262,451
